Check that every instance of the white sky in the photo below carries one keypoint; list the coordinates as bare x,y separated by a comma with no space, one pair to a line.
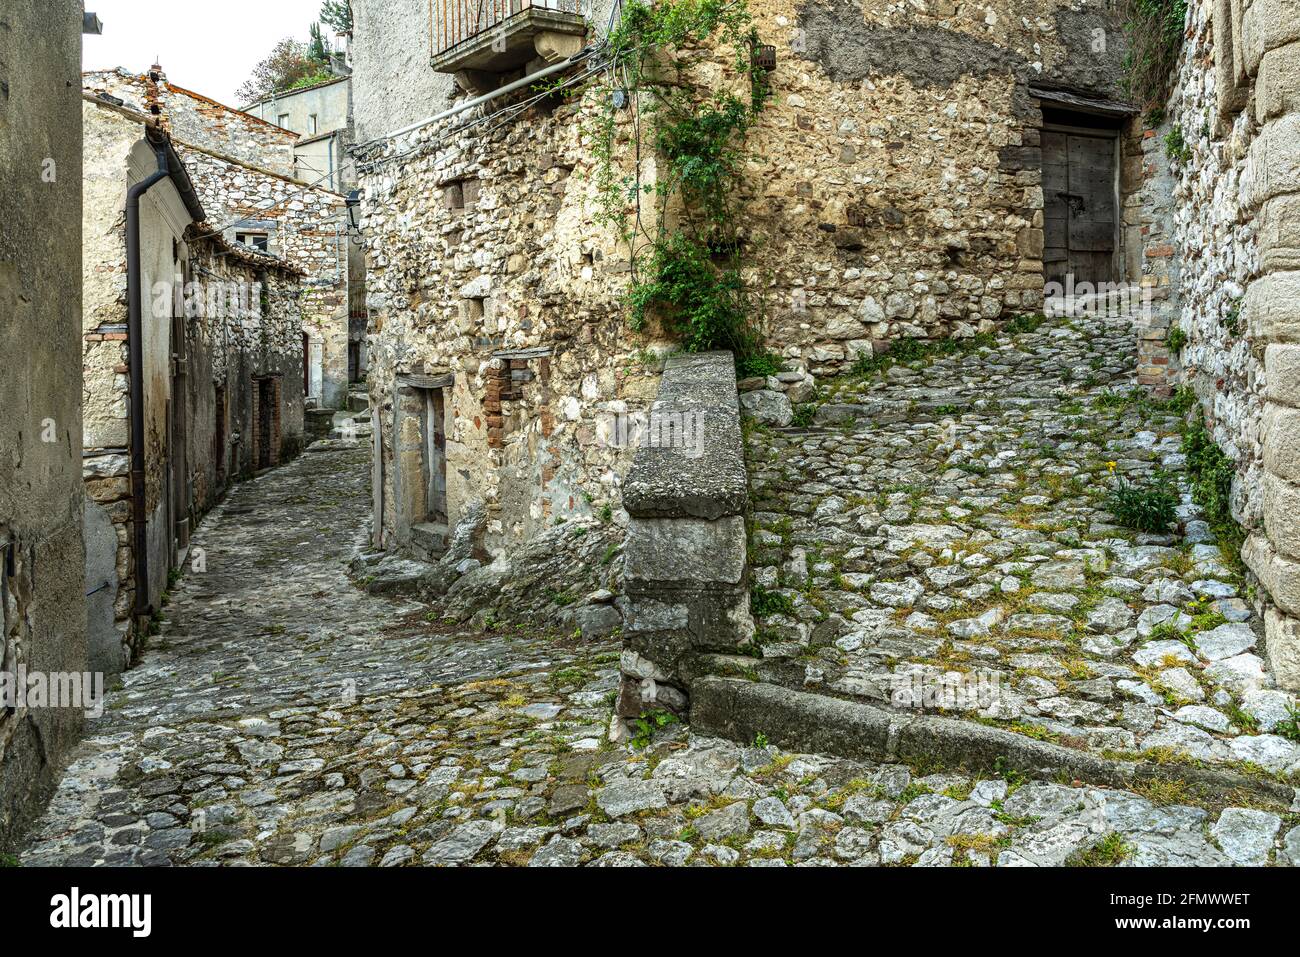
208,46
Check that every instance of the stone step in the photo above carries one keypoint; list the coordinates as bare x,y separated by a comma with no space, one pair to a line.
358,402
429,539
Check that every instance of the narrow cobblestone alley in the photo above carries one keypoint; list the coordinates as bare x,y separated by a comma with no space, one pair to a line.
283,716
953,526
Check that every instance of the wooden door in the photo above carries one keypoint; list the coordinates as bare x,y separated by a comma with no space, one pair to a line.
435,455
1078,206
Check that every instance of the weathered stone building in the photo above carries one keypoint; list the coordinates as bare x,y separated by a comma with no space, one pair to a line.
215,353
194,118
246,176
42,608
893,188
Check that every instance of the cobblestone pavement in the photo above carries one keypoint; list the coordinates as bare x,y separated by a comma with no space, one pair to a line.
282,716
949,532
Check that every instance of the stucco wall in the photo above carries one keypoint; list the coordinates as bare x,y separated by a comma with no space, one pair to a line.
329,102
392,82
40,433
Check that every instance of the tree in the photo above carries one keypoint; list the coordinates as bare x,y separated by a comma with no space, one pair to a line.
337,14
288,66
316,46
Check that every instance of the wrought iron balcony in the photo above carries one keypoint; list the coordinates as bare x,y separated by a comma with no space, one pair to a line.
475,38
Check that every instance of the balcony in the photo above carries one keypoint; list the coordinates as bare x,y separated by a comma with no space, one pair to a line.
479,40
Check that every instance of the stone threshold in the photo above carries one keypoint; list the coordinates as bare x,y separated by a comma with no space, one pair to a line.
741,710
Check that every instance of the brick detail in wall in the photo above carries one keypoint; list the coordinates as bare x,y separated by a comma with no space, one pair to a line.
505,384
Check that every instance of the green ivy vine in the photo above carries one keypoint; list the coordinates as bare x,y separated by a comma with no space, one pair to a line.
1154,30
687,264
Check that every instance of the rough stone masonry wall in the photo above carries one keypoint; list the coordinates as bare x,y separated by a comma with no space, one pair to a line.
230,351
892,191
898,162
485,263
310,232
195,118
42,571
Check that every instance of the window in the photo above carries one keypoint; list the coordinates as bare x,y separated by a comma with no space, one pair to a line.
283,120
311,125
461,194
257,240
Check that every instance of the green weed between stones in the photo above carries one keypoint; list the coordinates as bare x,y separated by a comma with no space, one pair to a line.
764,603
647,724
1147,507
1110,851
1154,31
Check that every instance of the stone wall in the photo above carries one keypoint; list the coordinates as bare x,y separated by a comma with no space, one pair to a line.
194,118
306,226
1228,203
1271,49
898,157
229,352
42,572
685,567
486,268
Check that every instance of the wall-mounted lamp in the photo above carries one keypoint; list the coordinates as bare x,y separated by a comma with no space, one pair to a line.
90,23
353,203
765,56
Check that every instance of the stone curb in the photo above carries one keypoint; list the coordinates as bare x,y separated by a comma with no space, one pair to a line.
800,721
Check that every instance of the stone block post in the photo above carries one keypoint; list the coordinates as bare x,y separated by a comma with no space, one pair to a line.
1272,309
686,575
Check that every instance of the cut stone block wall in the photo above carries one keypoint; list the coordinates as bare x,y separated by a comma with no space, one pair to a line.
1235,229
1271,183
685,568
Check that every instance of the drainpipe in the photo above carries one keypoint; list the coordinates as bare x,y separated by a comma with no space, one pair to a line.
135,347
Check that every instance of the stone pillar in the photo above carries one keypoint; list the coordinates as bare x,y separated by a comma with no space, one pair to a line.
1272,309
686,573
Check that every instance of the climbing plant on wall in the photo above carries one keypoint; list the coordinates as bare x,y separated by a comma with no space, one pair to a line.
1154,29
687,258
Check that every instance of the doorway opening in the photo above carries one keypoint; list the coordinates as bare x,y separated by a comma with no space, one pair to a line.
266,422
219,434
434,441
1081,226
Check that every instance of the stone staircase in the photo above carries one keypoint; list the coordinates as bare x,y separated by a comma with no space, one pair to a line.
353,420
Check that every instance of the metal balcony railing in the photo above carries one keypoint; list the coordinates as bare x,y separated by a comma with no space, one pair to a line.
461,20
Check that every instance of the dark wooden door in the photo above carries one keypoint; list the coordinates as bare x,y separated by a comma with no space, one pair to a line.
1078,206
435,455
